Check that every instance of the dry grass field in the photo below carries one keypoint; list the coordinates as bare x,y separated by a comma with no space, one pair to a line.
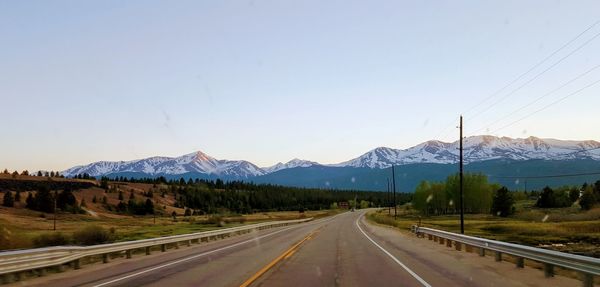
19,227
562,229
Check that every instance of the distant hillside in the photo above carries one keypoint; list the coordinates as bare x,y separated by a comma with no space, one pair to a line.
408,176
24,182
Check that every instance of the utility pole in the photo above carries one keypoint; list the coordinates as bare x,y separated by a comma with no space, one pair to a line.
55,196
462,205
389,197
394,188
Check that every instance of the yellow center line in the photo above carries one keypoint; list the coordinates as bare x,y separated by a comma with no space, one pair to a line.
284,255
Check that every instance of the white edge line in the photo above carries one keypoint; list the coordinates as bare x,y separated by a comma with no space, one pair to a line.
423,282
198,255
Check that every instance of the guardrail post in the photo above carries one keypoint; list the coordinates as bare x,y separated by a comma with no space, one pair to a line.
60,268
448,243
588,280
148,250
548,270
481,251
457,245
176,245
128,254
77,264
520,262
435,238
105,258
41,272
189,243
429,237
163,247
498,256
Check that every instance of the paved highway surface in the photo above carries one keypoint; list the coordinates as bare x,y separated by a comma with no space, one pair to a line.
344,250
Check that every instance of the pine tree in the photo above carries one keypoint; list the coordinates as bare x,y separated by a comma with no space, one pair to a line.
149,206
587,200
30,202
502,203
9,201
66,199
44,200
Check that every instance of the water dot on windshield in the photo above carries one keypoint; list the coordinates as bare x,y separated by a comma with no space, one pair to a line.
545,218
430,197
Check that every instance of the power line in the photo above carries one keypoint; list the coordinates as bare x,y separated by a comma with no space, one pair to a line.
548,176
443,132
539,98
535,77
533,67
549,105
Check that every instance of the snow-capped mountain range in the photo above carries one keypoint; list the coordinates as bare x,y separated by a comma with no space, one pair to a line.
476,148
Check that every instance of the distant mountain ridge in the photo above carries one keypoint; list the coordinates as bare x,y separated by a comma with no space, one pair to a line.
476,149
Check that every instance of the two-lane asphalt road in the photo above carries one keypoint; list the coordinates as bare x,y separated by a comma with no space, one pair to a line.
343,250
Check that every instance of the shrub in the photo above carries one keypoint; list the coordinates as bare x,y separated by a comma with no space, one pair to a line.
216,220
51,239
13,240
551,198
91,235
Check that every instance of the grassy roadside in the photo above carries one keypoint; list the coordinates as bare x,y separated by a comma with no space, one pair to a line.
558,229
18,231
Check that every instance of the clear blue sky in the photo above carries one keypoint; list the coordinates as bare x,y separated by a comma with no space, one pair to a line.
268,81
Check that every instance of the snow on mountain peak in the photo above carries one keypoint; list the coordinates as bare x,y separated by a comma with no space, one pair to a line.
290,164
476,148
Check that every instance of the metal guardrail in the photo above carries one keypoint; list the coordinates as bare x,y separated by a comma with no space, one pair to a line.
14,262
587,266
